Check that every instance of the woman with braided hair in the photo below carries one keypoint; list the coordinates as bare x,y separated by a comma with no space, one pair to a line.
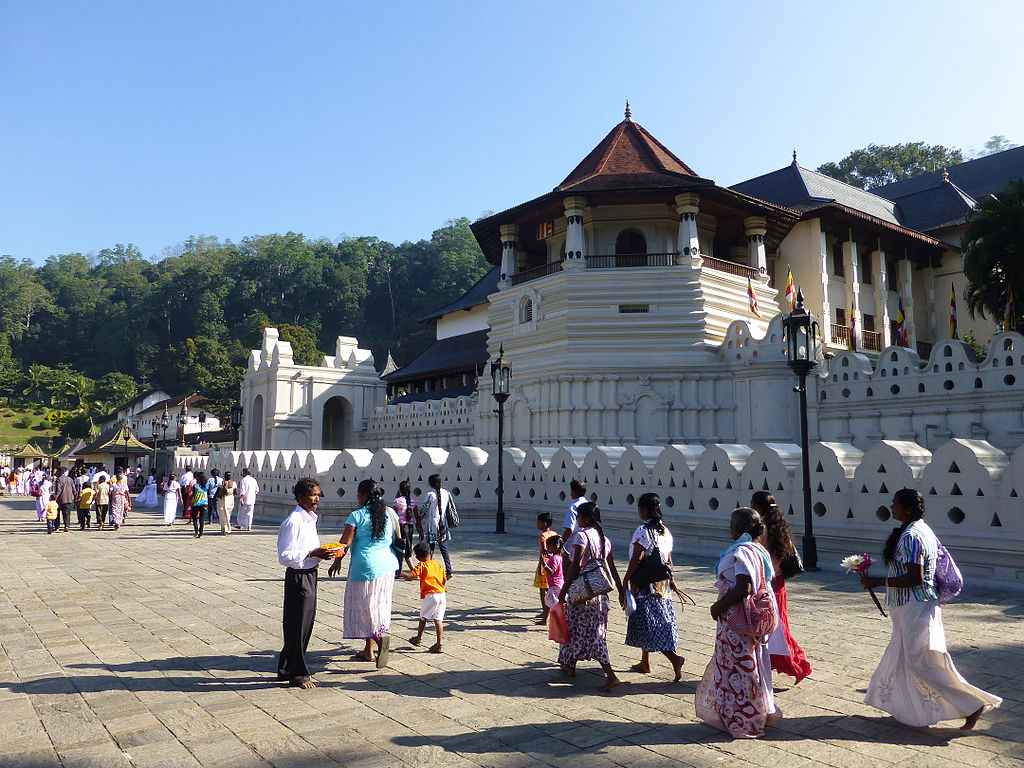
787,655
916,681
369,531
588,621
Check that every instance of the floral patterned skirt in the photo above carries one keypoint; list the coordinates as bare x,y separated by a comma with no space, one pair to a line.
588,633
652,626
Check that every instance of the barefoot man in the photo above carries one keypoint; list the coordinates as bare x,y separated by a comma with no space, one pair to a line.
299,550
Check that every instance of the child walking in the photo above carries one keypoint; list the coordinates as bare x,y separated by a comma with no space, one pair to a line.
558,630
544,523
85,497
52,509
432,593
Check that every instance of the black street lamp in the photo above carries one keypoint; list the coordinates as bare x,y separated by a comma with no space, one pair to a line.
501,379
127,435
202,423
801,332
156,434
236,423
165,422
183,419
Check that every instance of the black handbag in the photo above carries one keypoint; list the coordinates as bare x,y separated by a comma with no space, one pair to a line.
650,570
791,566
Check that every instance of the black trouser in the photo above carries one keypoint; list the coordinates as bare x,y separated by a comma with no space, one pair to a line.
84,518
198,519
101,513
65,513
407,532
297,622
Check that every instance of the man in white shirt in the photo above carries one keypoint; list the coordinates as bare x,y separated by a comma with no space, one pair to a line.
299,550
578,491
248,488
187,477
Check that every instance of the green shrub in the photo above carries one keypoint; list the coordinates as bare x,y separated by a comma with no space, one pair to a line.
21,423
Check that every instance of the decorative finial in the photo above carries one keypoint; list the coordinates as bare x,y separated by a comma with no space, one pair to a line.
629,113
799,297
794,155
945,175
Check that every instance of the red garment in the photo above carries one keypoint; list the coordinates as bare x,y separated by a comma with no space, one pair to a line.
796,664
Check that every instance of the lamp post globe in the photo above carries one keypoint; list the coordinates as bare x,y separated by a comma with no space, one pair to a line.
801,332
501,381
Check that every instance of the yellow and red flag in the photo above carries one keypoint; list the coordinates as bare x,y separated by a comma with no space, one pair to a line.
952,311
752,299
853,330
790,289
902,337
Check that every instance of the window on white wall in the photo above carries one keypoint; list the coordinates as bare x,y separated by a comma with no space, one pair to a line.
526,311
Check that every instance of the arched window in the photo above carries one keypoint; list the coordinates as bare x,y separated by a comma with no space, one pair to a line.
629,242
526,311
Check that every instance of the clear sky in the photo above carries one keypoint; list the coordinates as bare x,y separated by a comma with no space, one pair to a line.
147,122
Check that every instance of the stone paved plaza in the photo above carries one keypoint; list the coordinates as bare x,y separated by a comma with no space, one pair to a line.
149,648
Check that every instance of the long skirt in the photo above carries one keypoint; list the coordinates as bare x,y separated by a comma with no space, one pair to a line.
787,655
916,681
225,506
588,633
368,607
148,497
170,502
652,626
735,694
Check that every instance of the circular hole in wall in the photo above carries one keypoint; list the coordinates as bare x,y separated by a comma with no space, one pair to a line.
629,498
341,492
956,515
947,384
457,491
417,491
882,513
820,509
1009,380
713,503
846,393
669,501
895,389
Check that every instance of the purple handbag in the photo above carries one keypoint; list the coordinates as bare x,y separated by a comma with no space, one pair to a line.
948,579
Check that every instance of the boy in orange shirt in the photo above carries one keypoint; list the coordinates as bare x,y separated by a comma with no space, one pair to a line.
432,593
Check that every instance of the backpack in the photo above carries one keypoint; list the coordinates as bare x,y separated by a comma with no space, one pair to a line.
451,514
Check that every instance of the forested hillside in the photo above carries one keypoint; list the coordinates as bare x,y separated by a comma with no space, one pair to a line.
187,321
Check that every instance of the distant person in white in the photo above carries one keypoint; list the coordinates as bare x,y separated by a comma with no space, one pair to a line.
578,491
171,496
248,488
299,550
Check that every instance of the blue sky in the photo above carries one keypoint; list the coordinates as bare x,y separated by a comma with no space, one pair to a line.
146,122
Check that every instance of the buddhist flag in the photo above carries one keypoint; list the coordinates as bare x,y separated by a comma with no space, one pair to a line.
752,299
901,325
1009,311
790,289
952,312
853,330
545,230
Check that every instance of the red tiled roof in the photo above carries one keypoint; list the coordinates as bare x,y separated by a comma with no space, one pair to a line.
628,156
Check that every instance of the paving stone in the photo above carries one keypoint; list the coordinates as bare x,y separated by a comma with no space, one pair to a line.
177,669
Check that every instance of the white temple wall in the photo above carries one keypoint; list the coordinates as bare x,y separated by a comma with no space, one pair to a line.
973,491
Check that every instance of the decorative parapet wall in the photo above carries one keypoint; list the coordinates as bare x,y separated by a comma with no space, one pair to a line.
972,489
446,423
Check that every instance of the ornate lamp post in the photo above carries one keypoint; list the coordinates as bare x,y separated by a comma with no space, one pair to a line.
202,423
236,423
183,419
501,379
165,422
127,435
801,331
152,462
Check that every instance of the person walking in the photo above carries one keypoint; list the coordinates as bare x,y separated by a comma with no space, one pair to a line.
433,520
170,492
299,551
64,487
368,534
735,694
200,504
212,484
225,501
916,681
248,489
787,656
652,625
578,492
120,501
588,620
102,485
405,507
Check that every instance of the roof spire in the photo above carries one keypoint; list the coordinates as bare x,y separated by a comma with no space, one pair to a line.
945,175
794,155
629,112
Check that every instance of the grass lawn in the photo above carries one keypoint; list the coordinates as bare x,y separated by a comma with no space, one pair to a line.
36,429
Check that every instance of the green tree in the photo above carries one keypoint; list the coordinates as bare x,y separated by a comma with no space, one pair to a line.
994,145
10,371
114,389
878,164
993,249
208,367
303,343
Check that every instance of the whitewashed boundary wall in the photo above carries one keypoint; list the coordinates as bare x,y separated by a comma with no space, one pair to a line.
973,490
447,422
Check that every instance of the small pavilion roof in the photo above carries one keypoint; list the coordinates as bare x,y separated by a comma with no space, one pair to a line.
117,440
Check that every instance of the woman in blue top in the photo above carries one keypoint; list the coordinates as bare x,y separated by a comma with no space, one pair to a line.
369,531
916,681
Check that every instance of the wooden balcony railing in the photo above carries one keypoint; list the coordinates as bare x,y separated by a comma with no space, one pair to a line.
840,335
627,260
729,266
532,274
872,340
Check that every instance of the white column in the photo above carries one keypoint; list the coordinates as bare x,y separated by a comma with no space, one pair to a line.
575,244
906,269
852,270
688,245
882,293
756,228
509,233
826,306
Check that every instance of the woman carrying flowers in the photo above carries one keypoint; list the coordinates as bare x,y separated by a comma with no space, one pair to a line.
916,681
735,693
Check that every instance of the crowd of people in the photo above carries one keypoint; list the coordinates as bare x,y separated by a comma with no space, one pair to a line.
576,574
